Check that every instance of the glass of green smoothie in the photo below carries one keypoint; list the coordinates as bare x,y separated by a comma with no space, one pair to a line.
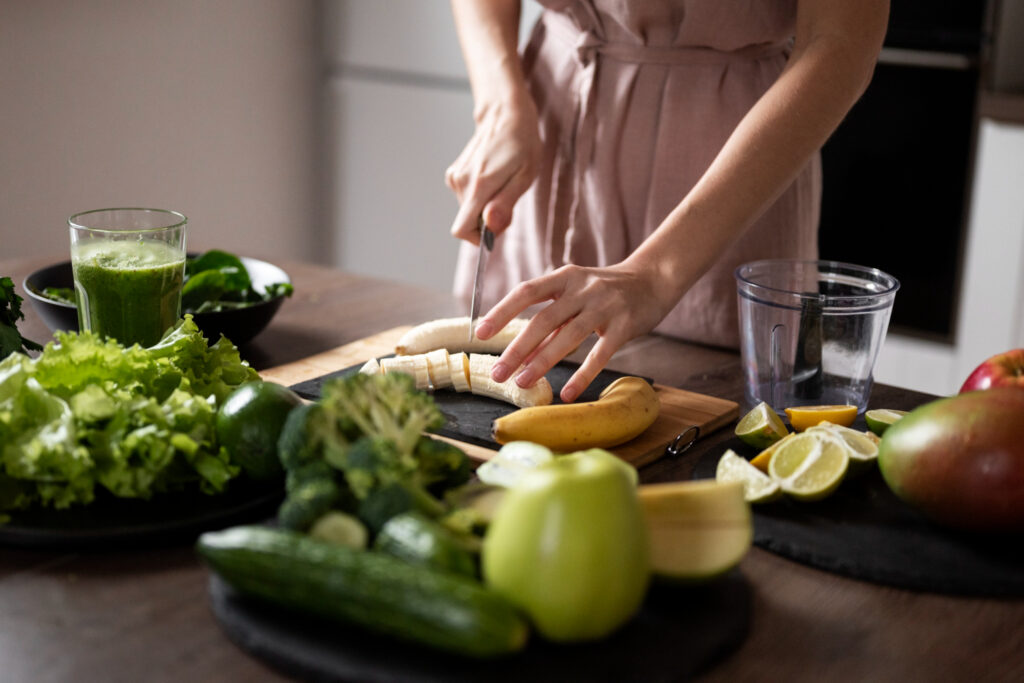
128,265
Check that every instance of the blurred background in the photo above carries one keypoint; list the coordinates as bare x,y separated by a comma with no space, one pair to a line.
320,130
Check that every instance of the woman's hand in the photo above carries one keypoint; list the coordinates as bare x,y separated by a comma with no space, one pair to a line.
495,168
617,302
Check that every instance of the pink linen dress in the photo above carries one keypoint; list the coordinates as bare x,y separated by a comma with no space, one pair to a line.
635,100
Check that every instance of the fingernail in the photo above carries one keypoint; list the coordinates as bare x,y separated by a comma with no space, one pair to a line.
483,330
569,393
525,378
499,372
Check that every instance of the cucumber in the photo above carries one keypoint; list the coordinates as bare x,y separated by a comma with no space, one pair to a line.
421,541
372,590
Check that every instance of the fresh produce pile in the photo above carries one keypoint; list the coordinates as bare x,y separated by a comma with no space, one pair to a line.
958,460
383,526
214,281
89,415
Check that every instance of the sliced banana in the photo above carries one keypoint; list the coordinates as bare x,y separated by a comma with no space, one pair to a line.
462,372
481,384
458,370
370,367
453,334
437,367
412,365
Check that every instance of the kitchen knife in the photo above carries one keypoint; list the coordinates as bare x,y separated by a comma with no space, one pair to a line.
486,244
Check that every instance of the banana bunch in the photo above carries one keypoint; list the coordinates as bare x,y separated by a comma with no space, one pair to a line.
460,371
624,410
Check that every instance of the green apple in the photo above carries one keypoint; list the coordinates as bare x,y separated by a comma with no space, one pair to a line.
568,546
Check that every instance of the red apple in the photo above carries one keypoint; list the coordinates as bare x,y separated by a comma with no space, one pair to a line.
1002,370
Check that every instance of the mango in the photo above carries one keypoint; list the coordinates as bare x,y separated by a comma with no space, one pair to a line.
960,460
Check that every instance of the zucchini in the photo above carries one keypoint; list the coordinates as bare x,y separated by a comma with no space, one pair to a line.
372,590
421,541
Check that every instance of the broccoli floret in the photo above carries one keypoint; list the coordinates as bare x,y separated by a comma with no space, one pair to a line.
387,406
310,471
441,465
300,440
308,502
383,503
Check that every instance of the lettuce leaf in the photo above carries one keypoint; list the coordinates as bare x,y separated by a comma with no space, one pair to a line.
90,414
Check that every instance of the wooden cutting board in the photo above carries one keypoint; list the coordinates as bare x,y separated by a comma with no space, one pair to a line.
680,409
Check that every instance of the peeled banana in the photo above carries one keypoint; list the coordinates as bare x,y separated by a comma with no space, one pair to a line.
624,410
453,334
463,372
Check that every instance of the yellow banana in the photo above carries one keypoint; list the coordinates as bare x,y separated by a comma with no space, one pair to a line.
625,408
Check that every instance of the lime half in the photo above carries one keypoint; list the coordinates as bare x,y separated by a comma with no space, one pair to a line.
761,427
758,487
810,466
879,419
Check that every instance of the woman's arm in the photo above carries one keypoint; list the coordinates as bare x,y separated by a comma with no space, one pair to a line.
500,160
837,44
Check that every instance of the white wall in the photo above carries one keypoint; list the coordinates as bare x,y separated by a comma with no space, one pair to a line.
204,106
399,112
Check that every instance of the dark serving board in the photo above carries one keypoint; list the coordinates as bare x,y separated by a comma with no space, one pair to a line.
679,632
468,417
116,523
865,532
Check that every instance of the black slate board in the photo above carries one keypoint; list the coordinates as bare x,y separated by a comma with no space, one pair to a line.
865,532
117,523
679,632
468,417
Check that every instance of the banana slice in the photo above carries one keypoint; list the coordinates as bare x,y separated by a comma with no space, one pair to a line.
458,370
412,365
437,366
453,334
370,367
481,384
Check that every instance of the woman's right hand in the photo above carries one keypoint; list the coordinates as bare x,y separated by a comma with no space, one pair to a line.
496,167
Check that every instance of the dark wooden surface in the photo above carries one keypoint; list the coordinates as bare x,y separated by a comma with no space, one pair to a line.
144,614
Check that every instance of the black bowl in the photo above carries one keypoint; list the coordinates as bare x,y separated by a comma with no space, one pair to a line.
239,325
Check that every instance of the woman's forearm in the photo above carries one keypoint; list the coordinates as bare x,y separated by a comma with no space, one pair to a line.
488,34
833,58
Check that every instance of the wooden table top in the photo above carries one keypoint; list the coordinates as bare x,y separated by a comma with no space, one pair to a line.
144,614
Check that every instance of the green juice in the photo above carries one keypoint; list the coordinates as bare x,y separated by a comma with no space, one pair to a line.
128,290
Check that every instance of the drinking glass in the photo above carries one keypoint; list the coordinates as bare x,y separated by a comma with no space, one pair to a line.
129,265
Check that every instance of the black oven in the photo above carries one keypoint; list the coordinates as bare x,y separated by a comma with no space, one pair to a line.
897,170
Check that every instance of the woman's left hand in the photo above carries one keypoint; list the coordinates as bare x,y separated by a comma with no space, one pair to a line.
617,302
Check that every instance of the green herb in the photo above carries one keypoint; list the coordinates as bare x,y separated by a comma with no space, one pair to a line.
89,414
218,281
64,295
10,313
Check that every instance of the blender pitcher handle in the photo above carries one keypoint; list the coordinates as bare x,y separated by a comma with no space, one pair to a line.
777,380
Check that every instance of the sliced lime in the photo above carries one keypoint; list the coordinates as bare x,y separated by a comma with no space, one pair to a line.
761,427
879,419
758,487
810,466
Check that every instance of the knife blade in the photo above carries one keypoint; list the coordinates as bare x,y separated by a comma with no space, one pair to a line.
486,244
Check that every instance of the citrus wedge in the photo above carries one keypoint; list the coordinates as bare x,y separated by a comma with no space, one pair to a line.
758,487
802,417
810,466
761,427
879,419
761,460
862,447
